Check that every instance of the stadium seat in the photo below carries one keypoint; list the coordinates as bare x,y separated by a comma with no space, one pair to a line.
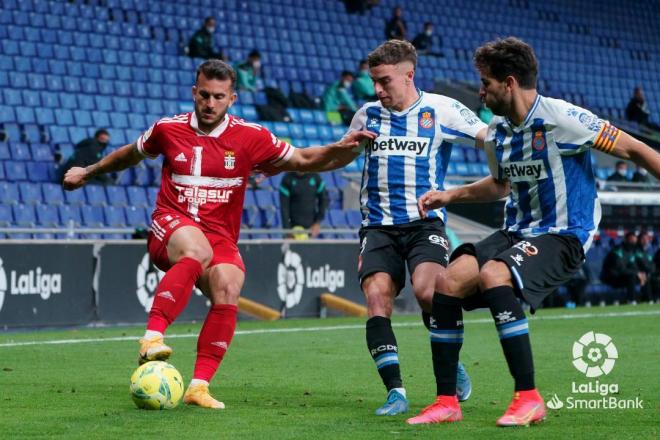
136,216
47,216
114,216
70,214
92,216
40,171
30,193
20,151
9,194
52,193
76,198
137,196
95,195
15,171
6,216
24,215
116,195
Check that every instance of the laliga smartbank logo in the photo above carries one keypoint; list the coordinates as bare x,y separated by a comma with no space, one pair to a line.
594,355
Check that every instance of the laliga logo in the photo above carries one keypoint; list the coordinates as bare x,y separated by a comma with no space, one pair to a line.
290,279
594,354
3,283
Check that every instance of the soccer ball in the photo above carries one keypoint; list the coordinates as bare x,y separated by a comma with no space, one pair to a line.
156,385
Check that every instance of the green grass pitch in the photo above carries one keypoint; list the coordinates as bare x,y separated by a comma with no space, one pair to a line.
318,381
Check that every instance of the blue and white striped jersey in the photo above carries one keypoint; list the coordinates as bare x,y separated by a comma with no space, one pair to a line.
547,160
410,155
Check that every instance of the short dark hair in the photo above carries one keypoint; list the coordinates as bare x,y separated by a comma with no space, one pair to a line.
347,73
620,162
101,131
254,54
209,18
393,52
508,57
217,69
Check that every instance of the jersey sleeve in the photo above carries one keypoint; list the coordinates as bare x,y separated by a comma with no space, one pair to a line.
493,164
359,122
148,144
268,151
578,129
459,124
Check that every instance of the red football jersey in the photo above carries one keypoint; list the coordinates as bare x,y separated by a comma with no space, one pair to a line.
204,176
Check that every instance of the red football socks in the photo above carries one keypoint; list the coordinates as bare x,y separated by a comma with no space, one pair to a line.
214,339
173,293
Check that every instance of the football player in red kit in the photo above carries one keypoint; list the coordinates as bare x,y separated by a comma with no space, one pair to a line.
208,156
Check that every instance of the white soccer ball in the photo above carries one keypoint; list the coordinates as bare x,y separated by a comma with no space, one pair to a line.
156,385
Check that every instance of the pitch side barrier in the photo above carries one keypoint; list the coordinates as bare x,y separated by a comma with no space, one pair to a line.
61,283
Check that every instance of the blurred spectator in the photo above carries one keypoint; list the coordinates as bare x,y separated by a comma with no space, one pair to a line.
655,279
484,113
577,287
395,27
620,173
621,269
249,72
424,43
201,44
337,97
363,86
87,152
644,256
359,6
641,175
638,110
303,201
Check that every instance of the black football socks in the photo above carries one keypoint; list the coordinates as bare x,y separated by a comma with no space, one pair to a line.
384,351
446,334
513,331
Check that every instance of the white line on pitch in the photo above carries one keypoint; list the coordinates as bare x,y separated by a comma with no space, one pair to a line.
326,328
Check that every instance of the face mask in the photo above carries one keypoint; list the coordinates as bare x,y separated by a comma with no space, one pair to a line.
428,33
621,171
346,84
256,64
642,171
210,29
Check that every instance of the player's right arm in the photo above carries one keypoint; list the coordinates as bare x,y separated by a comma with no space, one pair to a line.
487,189
120,159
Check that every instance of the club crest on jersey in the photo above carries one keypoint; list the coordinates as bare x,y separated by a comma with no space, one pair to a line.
426,121
373,123
539,141
230,160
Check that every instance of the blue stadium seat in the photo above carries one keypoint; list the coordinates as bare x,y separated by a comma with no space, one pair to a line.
152,194
6,216
12,132
40,171
264,199
95,195
41,152
137,197
114,216
116,195
9,193
76,197
92,216
15,171
52,193
20,151
354,218
30,193
24,215
4,151
32,133
136,216
70,213
47,216
337,218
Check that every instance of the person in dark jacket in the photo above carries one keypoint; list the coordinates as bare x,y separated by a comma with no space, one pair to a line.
201,44
87,152
621,268
395,27
646,264
303,201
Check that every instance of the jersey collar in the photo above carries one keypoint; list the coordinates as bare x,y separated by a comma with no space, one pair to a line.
535,105
215,133
409,109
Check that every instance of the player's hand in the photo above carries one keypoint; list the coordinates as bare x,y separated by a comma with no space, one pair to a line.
432,200
74,178
315,230
355,139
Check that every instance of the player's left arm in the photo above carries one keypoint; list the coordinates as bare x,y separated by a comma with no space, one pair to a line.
627,147
328,157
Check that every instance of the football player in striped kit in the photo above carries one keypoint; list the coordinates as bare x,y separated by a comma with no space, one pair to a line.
539,152
416,131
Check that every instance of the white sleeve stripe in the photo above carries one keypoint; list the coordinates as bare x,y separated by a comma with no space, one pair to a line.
285,158
141,150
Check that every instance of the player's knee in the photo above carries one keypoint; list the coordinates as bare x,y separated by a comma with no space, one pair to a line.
230,294
494,274
379,305
450,284
201,253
